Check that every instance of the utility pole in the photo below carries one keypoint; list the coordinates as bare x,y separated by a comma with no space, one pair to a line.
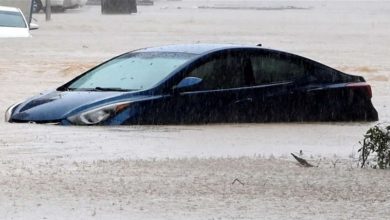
48,10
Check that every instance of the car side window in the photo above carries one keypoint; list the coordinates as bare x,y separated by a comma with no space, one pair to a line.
222,72
274,67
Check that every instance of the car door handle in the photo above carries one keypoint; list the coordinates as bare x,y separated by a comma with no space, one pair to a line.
314,88
243,100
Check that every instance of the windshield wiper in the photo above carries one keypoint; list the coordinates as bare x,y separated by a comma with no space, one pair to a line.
11,26
110,89
104,89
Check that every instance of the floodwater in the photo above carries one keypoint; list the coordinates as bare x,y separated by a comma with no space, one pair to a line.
348,36
40,172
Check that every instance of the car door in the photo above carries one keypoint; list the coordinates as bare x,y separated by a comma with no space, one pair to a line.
331,95
301,90
222,95
278,86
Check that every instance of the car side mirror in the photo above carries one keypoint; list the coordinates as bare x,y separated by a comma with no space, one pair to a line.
33,26
187,84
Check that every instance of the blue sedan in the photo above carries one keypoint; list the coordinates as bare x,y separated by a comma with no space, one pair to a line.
202,83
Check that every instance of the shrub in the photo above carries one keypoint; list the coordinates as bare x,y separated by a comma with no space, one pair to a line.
375,147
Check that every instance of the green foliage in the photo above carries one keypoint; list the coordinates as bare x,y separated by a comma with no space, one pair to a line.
375,150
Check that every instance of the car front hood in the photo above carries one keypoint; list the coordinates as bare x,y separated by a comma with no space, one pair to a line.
10,32
58,105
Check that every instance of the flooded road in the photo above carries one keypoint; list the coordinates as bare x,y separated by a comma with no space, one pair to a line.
347,36
46,169
31,142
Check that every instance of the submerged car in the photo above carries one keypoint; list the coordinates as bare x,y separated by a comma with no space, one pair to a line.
202,83
13,24
58,5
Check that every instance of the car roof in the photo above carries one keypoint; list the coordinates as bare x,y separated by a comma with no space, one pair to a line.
12,9
192,48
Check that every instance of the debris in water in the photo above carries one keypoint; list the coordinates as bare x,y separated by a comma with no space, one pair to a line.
301,161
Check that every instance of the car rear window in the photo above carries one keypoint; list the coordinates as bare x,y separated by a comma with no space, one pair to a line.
12,19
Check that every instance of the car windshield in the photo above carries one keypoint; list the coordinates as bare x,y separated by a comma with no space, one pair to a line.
133,71
12,19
